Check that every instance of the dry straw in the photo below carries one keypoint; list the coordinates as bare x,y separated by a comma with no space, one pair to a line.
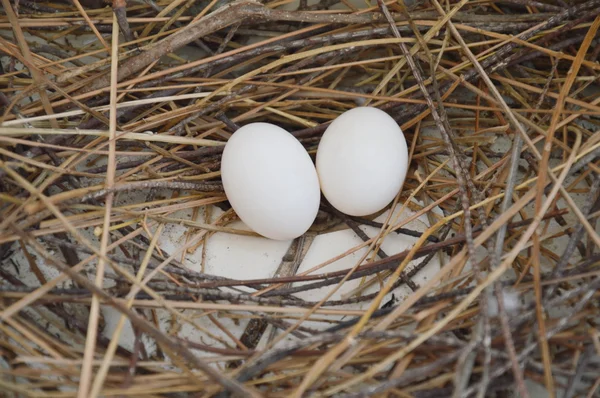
500,104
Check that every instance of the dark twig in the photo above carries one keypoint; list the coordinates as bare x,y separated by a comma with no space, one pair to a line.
510,345
362,235
119,7
138,185
583,362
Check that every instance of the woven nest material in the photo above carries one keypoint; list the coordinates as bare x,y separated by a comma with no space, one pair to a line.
113,120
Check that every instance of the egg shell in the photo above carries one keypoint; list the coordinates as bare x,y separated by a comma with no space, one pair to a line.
270,181
362,161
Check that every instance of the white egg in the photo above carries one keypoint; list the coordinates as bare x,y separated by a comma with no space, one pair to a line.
270,181
362,161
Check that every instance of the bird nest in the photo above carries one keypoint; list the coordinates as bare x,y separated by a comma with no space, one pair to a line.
113,121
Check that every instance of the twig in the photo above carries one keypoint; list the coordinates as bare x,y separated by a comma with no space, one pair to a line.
119,7
139,185
510,345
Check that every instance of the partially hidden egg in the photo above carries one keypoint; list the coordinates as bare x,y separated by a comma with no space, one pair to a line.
362,161
270,181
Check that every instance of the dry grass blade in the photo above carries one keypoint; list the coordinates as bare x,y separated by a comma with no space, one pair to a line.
90,346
